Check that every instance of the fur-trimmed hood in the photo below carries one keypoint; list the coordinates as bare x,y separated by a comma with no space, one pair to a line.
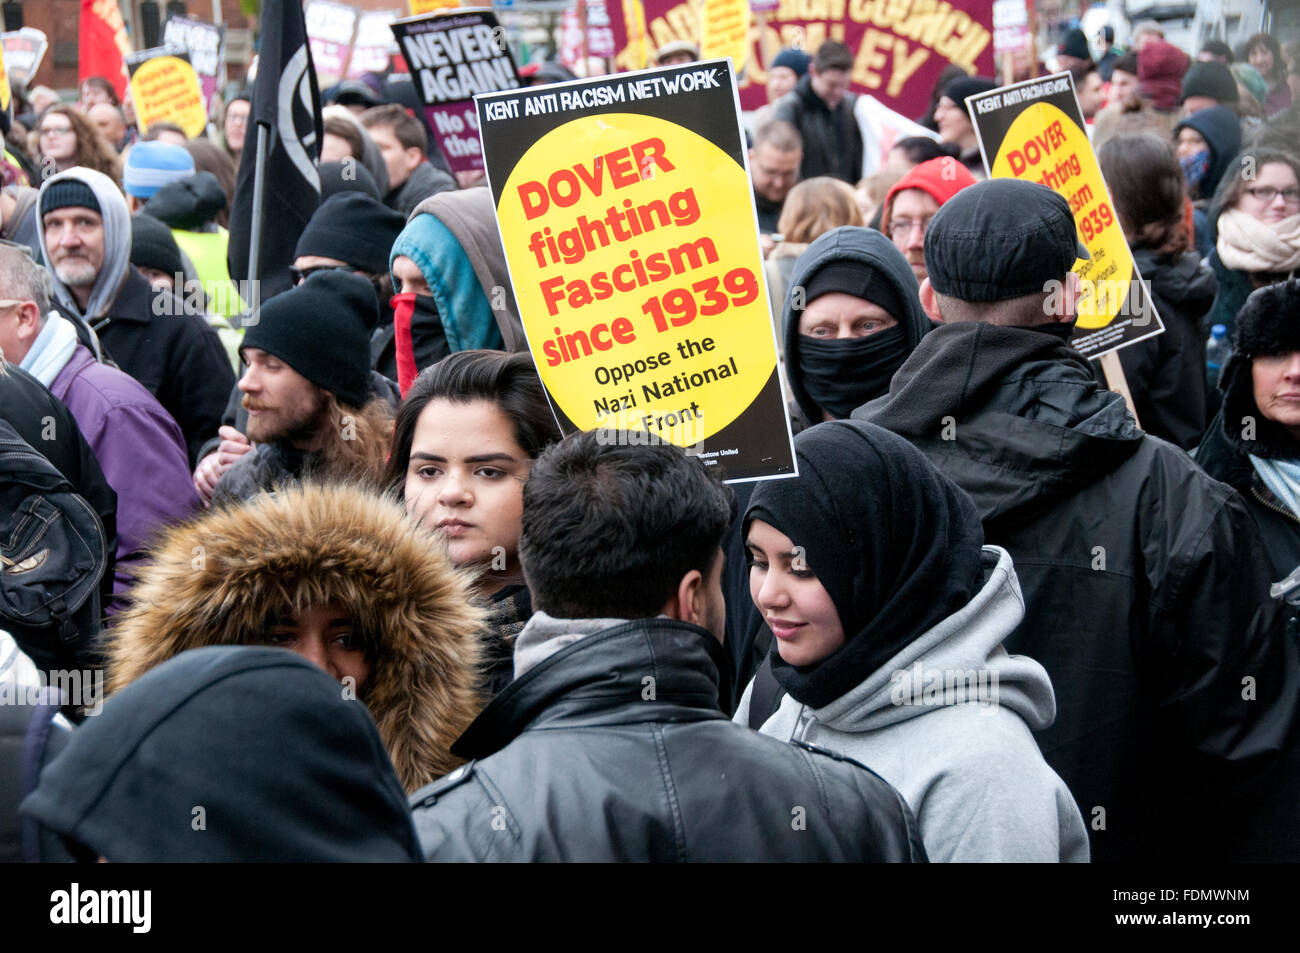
216,580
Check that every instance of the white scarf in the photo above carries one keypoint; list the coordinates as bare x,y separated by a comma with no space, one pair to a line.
1247,244
1282,477
51,350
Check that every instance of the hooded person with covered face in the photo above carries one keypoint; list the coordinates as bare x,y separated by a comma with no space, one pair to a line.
889,615
227,755
338,575
852,316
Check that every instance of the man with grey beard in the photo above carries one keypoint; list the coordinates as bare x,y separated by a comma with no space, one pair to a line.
152,335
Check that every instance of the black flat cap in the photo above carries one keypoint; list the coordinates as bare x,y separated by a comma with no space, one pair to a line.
1001,239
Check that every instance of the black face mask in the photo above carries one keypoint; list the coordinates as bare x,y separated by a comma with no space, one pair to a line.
414,315
844,373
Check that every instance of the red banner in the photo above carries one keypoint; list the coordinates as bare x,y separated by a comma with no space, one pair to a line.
900,46
102,43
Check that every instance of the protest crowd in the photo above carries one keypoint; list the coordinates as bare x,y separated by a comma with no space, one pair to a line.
336,583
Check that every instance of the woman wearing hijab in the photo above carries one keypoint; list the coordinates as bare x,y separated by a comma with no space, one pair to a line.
852,316
889,615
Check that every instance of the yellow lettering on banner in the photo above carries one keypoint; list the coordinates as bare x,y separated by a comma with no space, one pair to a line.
860,10
905,64
870,58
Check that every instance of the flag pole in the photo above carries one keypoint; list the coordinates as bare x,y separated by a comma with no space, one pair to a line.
259,190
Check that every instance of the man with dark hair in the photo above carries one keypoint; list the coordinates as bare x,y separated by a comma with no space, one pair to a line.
610,743
402,140
821,108
1089,87
1143,578
774,169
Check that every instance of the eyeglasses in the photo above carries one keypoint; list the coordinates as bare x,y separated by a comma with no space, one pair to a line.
302,274
1267,194
55,130
901,228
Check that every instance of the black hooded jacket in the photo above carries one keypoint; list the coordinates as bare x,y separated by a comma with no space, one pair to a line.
874,252
1166,373
228,754
832,141
1143,582
581,758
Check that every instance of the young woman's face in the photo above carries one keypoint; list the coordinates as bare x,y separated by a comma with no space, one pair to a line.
1261,57
58,137
465,481
326,636
1273,196
794,604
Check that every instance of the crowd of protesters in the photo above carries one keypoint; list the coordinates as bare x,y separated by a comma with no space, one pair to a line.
509,644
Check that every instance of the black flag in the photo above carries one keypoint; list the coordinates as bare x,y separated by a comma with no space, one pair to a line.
286,100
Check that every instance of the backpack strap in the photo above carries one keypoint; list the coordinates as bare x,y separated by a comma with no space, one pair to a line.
767,695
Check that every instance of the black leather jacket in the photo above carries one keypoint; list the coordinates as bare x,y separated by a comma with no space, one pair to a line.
614,749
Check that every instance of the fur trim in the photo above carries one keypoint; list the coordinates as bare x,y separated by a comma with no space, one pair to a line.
1269,321
216,580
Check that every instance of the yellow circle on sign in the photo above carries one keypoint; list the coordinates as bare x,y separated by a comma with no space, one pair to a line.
1045,145
636,272
166,88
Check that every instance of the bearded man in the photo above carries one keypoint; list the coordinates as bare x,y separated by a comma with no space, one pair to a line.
306,388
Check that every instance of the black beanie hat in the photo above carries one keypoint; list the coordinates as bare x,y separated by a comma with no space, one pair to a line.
857,279
1076,45
964,86
319,329
68,193
153,245
335,178
1211,79
353,228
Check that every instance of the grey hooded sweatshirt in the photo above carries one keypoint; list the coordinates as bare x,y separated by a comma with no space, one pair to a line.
947,722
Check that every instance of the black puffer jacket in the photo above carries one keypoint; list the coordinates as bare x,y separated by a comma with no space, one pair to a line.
832,141
582,758
1142,581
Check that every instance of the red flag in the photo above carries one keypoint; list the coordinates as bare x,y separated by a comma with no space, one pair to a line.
102,43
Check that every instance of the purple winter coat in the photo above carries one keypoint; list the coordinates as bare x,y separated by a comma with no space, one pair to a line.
139,448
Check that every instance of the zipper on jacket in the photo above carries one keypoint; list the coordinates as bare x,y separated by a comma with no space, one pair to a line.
1273,506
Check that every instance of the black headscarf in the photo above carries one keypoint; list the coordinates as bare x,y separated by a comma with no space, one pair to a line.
894,542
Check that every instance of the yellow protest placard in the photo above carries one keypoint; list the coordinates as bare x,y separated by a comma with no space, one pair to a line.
165,88
626,214
724,31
